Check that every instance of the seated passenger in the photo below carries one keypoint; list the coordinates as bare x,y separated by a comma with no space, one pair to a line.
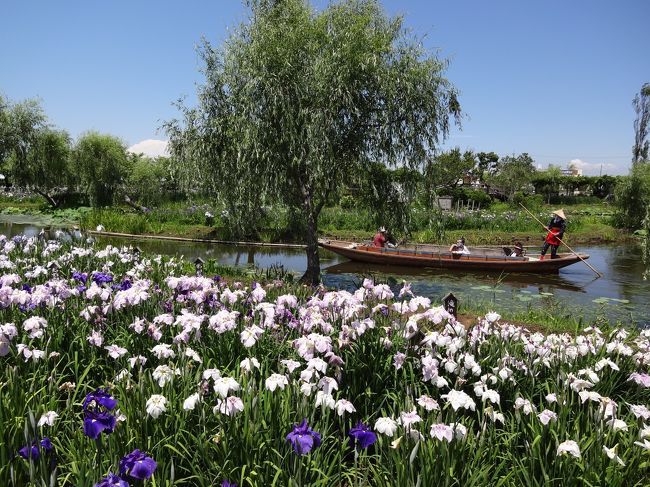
381,239
459,247
517,251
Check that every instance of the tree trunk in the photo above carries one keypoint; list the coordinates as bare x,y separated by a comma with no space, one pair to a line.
51,201
312,274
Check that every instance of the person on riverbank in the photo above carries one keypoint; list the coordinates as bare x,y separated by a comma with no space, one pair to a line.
459,247
556,228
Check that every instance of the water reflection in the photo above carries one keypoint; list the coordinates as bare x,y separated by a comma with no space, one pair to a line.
515,279
621,294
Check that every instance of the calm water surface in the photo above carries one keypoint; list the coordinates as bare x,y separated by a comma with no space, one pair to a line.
621,295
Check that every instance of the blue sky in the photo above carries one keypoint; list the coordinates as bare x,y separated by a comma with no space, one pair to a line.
551,78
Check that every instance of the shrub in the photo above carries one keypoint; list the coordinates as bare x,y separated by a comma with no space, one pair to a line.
529,201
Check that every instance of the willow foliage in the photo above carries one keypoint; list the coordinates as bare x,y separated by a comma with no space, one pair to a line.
296,102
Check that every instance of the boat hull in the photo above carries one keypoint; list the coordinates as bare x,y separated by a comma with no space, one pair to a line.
446,260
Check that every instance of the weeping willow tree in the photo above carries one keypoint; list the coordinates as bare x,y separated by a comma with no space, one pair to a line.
298,101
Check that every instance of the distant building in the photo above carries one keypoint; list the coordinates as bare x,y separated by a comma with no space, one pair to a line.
572,171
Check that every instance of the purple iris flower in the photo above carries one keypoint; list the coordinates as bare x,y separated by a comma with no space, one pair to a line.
34,451
123,286
27,288
95,422
46,444
80,276
227,483
112,480
97,418
102,397
362,436
101,278
303,438
138,465
30,451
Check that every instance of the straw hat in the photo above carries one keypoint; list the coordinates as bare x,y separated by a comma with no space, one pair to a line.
560,213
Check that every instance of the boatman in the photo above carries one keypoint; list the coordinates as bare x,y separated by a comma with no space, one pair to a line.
556,228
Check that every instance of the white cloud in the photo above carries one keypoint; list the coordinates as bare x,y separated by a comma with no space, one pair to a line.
150,147
594,168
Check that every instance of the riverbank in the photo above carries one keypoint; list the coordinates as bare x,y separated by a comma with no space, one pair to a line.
501,224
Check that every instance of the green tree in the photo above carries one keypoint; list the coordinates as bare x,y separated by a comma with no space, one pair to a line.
389,194
146,181
297,101
446,170
641,104
548,182
514,174
46,165
633,197
102,165
20,124
4,129
633,192
487,163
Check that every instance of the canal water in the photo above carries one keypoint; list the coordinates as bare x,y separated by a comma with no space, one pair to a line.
620,295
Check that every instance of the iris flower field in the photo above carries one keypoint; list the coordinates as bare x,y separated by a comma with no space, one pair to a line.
124,369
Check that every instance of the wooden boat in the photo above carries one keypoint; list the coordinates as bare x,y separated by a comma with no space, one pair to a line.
480,258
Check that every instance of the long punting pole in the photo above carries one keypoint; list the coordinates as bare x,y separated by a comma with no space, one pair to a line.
574,252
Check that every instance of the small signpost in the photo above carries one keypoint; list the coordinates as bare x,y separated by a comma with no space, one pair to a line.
54,269
450,302
199,266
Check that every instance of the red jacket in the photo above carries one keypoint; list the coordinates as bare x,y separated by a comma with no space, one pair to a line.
557,226
379,240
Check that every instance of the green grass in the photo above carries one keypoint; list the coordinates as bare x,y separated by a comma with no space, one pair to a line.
501,223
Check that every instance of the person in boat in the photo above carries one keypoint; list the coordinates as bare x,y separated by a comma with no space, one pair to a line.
381,239
459,247
516,251
556,228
